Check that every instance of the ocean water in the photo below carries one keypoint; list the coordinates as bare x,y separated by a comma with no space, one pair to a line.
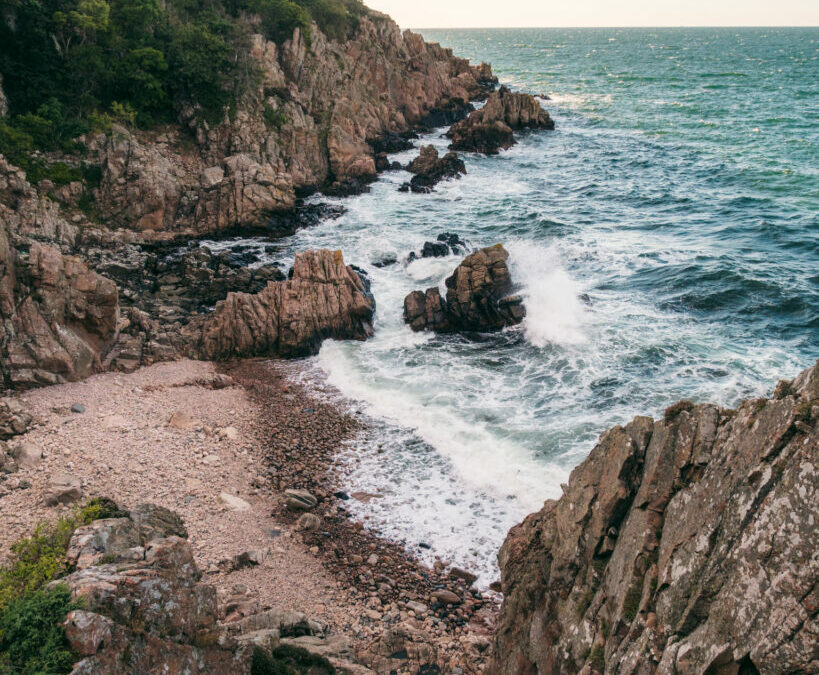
679,192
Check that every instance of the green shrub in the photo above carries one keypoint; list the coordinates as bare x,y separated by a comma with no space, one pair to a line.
273,117
287,660
31,638
597,659
631,603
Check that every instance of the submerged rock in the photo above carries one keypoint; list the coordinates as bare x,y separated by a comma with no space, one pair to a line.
489,129
477,298
324,299
685,545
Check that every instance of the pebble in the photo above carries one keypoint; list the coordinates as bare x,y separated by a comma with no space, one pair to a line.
78,408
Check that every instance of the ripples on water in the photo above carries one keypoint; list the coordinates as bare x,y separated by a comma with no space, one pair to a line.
679,191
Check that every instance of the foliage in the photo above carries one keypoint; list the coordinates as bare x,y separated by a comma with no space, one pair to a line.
31,639
40,558
73,66
274,117
597,659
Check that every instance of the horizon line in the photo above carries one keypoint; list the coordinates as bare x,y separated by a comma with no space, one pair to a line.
608,27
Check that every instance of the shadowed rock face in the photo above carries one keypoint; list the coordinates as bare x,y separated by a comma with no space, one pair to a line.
56,315
324,299
680,546
430,169
477,297
489,129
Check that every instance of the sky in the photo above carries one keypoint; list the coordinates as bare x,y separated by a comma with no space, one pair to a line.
542,13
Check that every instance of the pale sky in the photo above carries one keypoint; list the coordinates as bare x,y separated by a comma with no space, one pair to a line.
543,13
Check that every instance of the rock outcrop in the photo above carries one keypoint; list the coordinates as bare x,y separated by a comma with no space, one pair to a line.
430,169
477,298
56,315
334,103
489,129
324,298
680,546
14,419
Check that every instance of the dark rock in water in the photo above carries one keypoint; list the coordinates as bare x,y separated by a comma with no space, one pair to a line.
446,242
404,187
390,143
348,187
455,243
681,545
341,495
434,249
395,166
453,111
477,299
429,169
385,260
490,128
381,162
584,297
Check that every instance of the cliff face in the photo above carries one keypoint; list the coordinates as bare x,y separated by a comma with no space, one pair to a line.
683,545
317,110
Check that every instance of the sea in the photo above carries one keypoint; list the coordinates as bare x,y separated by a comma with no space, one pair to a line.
665,238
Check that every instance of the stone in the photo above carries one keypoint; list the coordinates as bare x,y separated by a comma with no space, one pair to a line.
308,522
157,522
78,408
14,419
477,298
7,462
490,128
63,488
109,540
182,422
682,545
419,608
323,299
299,500
458,573
233,502
446,597
27,454
429,169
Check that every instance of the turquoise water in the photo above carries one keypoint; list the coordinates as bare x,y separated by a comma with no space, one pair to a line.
679,191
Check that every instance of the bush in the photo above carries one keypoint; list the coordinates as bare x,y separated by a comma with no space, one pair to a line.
287,660
274,117
31,638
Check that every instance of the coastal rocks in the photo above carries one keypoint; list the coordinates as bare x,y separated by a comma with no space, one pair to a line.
446,243
489,129
14,419
56,315
684,545
477,297
144,609
429,169
323,299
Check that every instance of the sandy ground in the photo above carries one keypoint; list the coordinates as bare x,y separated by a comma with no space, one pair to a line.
123,447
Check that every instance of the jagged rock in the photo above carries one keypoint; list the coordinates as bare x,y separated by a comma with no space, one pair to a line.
157,522
429,169
323,299
684,545
445,244
14,419
402,648
477,297
7,463
63,488
490,128
110,540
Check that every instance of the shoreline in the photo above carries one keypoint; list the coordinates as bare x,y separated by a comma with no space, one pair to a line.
182,433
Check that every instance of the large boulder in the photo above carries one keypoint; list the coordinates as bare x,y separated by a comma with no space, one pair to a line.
490,128
14,419
477,298
323,299
682,546
430,169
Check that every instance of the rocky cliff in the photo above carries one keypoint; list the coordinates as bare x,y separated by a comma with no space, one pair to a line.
681,545
319,112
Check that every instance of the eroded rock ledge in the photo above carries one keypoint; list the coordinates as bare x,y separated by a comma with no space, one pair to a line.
680,546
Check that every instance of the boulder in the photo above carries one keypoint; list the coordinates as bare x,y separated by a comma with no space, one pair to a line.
63,488
490,128
27,454
429,169
477,297
684,545
446,243
14,419
233,502
323,299
299,500
7,462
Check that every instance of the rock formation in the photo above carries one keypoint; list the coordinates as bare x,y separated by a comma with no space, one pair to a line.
683,545
490,128
429,169
335,102
477,297
323,299
56,315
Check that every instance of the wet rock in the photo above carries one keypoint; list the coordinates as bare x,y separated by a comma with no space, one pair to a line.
489,129
324,299
477,297
299,500
63,488
429,169
682,545
385,260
